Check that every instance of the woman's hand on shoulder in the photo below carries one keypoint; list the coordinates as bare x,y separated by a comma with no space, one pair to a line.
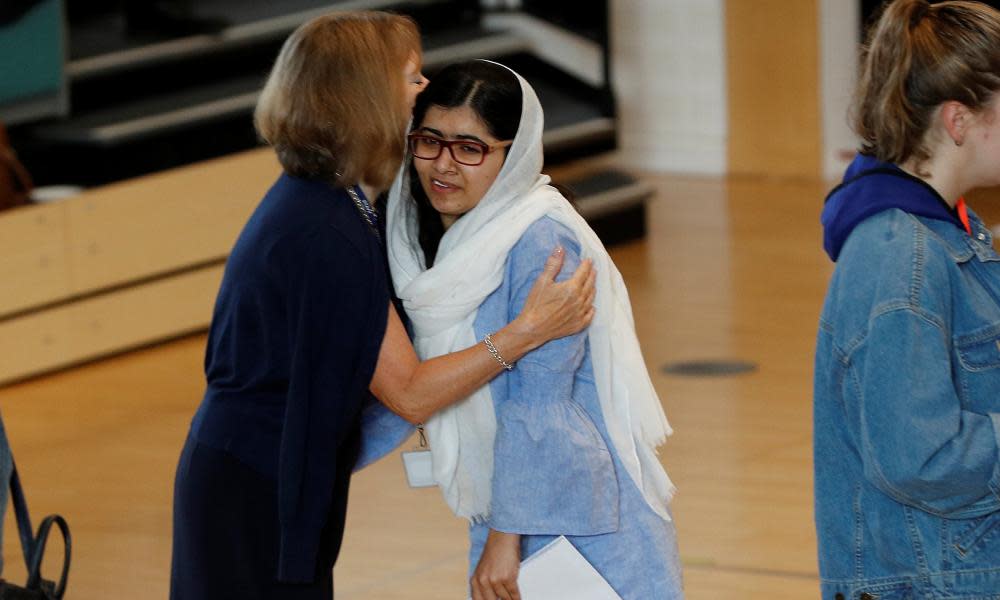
557,309
495,577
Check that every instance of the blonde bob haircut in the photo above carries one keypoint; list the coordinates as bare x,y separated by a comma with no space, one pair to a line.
334,104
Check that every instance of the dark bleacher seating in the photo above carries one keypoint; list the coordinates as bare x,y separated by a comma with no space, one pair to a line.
143,102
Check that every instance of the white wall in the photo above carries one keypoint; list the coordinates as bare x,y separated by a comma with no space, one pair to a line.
839,38
669,68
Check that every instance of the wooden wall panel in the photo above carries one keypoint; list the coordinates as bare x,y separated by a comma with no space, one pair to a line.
33,264
33,344
121,266
107,324
140,315
772,49
164,222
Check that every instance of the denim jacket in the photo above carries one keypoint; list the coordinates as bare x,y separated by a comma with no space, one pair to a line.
907,413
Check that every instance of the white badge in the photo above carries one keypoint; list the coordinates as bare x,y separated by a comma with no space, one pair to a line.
419,465
419,468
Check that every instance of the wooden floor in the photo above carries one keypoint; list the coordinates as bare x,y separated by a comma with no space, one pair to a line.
729,270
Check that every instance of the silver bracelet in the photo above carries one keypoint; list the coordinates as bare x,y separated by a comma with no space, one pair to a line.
488,340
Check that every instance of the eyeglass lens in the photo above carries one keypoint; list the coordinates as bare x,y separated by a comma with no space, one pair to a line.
463,151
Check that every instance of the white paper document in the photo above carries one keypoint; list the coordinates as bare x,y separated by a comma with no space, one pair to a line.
559,572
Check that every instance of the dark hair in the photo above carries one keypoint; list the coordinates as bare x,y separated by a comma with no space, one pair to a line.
332,107
919,55
493,92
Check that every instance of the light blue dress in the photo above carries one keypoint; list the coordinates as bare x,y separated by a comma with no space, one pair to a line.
556,471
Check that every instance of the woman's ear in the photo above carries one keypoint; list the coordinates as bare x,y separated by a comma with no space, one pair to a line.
956,119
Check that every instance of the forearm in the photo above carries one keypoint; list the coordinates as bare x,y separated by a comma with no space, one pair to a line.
415,391
436,383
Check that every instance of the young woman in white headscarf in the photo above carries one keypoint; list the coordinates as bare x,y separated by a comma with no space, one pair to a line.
562,442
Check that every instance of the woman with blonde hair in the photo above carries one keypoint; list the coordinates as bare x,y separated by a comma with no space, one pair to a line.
304,332
907,378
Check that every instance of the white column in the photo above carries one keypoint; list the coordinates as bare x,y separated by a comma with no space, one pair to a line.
839,25
669,69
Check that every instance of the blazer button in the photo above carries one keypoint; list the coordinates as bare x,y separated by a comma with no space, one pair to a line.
838,597
866,596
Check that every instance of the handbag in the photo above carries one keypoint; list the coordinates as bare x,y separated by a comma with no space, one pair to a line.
33,549
15,181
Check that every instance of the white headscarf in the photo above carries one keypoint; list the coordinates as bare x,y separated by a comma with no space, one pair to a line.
442,302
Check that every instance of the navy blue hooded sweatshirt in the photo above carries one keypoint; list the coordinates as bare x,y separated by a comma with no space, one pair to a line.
871,186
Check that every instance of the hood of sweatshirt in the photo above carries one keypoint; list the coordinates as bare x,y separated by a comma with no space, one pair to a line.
871,186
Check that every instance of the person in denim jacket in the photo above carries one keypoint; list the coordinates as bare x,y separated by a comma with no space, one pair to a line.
907,379
562,442
6,466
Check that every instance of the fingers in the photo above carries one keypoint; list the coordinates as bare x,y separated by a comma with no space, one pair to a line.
493,591
588,315
511,591
554,263
589,289
502,591
586,293
583,273
485,587
478,593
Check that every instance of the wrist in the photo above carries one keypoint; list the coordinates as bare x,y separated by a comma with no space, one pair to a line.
491,346
510,343
501,538
517,338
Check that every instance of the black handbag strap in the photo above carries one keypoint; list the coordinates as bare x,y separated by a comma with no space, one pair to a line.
23,519
33,546
35,571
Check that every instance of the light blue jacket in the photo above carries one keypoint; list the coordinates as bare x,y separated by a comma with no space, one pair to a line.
556,471
907,413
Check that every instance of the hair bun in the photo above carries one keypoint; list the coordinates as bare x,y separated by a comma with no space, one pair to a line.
919,9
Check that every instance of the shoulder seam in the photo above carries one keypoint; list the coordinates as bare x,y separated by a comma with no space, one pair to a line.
891,307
